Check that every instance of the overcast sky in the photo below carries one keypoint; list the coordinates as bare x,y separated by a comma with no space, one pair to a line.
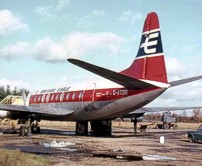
36,38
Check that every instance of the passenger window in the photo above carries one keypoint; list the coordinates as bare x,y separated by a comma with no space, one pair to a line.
61,96
56,98
67,97
35,99
43,98
73,96
52,97
47,98
39,98
80,95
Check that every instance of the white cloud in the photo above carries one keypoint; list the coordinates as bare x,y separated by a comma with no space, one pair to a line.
50,11
61,4
48,50
90,19
99,13
44,11
17,50
74,45
10,23
80,43
174,68
129,16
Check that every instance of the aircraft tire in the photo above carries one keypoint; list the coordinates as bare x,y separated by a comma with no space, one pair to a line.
35,129
101,128
38,129
81,128
191,139
22,131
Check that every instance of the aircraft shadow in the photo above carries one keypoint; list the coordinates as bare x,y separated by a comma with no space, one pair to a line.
72,133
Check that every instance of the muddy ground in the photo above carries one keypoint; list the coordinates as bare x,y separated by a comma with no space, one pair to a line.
122,148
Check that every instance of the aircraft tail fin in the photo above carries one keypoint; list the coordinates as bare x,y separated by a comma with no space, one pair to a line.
149,63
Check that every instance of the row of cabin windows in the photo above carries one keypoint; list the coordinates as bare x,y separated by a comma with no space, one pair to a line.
58,97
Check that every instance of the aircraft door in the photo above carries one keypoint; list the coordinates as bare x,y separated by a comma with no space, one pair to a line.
89,97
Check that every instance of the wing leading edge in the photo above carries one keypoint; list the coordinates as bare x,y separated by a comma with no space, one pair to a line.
126,81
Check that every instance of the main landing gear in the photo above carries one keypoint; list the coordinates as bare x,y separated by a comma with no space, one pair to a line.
99,128
134,120
81,128
28,126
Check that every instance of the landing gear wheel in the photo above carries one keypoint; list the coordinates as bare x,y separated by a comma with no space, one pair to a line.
166,126
101,128
23,131
38,129
191,139
35,129
81,128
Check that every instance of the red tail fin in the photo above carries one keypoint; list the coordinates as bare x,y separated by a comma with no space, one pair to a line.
149,63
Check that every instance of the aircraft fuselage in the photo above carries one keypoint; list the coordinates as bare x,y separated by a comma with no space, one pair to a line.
91,104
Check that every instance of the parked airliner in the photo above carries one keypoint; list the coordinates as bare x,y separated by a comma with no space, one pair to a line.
131,89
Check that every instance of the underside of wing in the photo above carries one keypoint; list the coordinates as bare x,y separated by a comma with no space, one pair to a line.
15,109
126,81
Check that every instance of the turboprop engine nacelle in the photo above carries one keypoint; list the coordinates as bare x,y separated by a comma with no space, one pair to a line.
4,114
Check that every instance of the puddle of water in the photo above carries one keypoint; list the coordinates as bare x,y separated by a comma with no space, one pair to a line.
59,132
157,157
51,148
120,157
57,144
69,149
134,158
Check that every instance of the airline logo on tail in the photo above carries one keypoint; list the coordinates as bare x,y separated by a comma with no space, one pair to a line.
150,44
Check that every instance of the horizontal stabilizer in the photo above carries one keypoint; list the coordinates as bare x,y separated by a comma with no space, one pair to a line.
126,81
184,81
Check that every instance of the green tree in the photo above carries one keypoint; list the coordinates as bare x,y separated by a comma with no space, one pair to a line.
2,92
8,90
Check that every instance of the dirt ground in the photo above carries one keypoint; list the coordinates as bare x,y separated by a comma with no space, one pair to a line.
122,148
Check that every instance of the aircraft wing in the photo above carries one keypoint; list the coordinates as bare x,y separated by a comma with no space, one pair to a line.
34,110
143,110
126,81
184,81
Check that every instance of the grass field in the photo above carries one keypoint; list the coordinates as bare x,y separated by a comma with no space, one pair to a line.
18,158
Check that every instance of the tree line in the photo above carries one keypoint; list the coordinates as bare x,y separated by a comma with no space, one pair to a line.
6,90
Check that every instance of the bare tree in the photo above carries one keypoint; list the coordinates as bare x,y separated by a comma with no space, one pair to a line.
197,114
